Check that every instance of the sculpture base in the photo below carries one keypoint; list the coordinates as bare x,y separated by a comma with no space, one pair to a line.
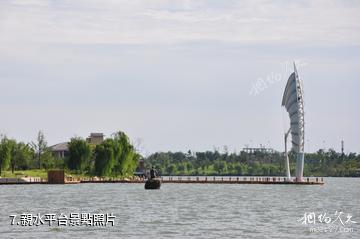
153,183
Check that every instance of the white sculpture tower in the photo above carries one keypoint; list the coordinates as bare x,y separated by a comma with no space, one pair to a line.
293,102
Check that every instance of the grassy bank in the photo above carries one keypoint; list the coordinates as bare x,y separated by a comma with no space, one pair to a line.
42,173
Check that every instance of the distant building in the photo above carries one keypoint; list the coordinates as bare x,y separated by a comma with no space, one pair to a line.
261,150
95,138
60,150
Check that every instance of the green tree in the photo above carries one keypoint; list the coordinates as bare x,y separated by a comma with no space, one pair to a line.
104,158
116,156
13,146
47,160
171,169
189,167
126,157
181,168
39,146
80,154
22,157
5,154
220,167
238,169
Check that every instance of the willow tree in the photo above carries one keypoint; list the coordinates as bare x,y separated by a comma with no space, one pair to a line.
104,158
79,154
131,162
116,156
126,156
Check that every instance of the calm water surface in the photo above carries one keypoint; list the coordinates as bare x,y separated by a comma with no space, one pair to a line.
183,210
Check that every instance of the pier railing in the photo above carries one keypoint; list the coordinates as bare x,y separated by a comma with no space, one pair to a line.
24,180
234,179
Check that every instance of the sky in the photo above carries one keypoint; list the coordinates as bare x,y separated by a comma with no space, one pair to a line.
179,75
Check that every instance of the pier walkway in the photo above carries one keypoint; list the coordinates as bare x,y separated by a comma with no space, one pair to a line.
188,180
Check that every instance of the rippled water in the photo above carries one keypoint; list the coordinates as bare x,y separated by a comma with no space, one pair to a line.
183,210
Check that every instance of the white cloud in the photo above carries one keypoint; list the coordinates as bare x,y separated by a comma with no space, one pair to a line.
137,22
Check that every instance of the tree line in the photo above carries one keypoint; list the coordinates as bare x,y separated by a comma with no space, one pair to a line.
321,163
23,156
114,157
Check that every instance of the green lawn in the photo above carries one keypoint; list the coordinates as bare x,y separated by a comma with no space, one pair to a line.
42,173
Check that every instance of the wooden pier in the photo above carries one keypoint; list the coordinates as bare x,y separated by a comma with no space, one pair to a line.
186,180
242,180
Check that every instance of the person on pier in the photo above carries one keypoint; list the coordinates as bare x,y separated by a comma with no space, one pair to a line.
153,173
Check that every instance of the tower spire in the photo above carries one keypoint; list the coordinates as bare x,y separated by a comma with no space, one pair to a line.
295,70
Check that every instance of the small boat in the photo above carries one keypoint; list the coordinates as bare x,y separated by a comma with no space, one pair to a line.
153,183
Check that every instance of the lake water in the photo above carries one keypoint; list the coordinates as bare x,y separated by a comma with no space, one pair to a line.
185,210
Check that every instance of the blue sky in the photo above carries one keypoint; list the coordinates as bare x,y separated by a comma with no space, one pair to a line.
179,75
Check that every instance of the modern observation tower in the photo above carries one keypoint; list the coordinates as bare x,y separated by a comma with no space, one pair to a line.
293,101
